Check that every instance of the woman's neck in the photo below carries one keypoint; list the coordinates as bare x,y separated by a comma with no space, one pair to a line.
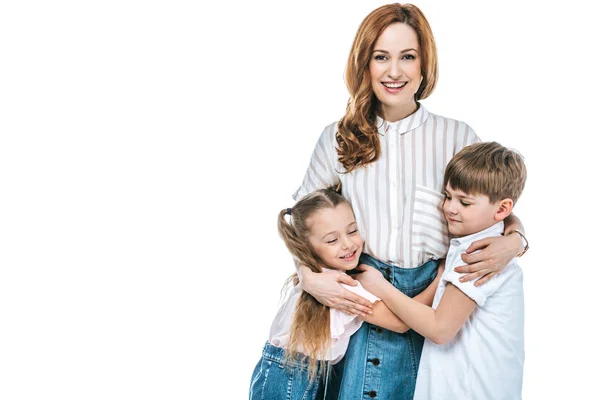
393,114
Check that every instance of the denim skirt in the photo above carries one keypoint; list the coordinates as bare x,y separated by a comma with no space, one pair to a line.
381,364
275,380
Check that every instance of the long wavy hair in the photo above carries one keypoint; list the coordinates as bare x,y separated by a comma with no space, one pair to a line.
310,331
357,137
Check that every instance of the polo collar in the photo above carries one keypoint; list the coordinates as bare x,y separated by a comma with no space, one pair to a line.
404,125
495,230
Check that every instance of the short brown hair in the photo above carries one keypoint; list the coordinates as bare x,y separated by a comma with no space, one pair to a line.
487,168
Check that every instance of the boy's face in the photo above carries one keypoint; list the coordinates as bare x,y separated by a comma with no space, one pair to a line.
468,214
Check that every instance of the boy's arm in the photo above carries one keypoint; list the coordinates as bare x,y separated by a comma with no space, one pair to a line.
382,316
439,325
427,295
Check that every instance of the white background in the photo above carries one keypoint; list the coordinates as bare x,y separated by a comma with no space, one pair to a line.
146,148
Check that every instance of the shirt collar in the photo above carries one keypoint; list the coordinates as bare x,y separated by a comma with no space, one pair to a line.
495,230
404,125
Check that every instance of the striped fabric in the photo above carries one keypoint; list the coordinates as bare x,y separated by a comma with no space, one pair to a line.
397,200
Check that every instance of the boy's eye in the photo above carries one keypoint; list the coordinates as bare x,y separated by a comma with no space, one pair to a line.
465,204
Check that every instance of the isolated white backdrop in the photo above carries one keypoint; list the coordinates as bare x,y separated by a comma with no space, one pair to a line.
146,148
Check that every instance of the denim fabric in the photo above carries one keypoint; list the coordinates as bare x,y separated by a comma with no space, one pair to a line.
379,363
272,380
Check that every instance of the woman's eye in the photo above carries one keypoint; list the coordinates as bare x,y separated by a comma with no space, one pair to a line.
408,57
380,57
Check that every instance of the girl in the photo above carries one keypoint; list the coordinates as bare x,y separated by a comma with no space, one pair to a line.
389,153
306,336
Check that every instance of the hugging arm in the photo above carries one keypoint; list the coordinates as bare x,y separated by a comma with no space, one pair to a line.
327,289
384,317
495,254
439,325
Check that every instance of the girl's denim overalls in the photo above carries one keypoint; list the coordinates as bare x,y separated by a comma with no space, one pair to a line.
274,380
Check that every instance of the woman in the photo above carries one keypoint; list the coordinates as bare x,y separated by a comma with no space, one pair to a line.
389,153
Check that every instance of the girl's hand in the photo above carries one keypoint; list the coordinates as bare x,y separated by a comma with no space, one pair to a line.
371,278
495,254
326,288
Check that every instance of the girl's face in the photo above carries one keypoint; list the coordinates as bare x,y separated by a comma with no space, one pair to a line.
335,238
395,69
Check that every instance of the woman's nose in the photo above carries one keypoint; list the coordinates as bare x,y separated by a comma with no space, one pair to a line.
395,71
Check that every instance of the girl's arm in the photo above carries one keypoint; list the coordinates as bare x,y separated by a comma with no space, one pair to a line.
495,254
439,325
382,315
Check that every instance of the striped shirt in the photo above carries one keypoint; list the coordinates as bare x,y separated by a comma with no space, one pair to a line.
397,200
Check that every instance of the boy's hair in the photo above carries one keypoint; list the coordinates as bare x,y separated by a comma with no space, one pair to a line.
487,168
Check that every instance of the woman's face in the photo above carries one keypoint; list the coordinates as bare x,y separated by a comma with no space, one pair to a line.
395,69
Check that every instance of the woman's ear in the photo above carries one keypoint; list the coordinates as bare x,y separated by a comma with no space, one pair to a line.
505,207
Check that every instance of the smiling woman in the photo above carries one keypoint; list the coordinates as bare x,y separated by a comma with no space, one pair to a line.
389,154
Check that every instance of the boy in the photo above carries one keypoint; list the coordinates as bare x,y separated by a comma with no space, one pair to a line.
474,334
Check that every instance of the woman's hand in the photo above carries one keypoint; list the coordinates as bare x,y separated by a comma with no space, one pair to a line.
326,288
495,254
371,278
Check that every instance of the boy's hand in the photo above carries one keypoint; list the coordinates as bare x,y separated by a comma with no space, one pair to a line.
371,278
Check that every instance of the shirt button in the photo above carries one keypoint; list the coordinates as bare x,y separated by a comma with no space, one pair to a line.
375,361
372,394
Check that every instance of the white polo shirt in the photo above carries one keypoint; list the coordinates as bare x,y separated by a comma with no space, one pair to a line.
485,359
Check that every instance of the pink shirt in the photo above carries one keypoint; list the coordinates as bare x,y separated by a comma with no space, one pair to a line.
342,325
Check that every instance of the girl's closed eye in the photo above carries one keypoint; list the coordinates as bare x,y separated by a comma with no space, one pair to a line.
331,241
353,231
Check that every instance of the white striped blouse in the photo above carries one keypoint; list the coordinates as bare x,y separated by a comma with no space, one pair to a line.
397,199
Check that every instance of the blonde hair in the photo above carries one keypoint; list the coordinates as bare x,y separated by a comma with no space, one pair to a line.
310,327
357,137
487,168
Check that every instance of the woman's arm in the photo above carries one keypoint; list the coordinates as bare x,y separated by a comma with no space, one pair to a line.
326,288
439,325
495,254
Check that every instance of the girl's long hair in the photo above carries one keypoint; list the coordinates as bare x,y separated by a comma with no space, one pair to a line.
310,334
357,137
